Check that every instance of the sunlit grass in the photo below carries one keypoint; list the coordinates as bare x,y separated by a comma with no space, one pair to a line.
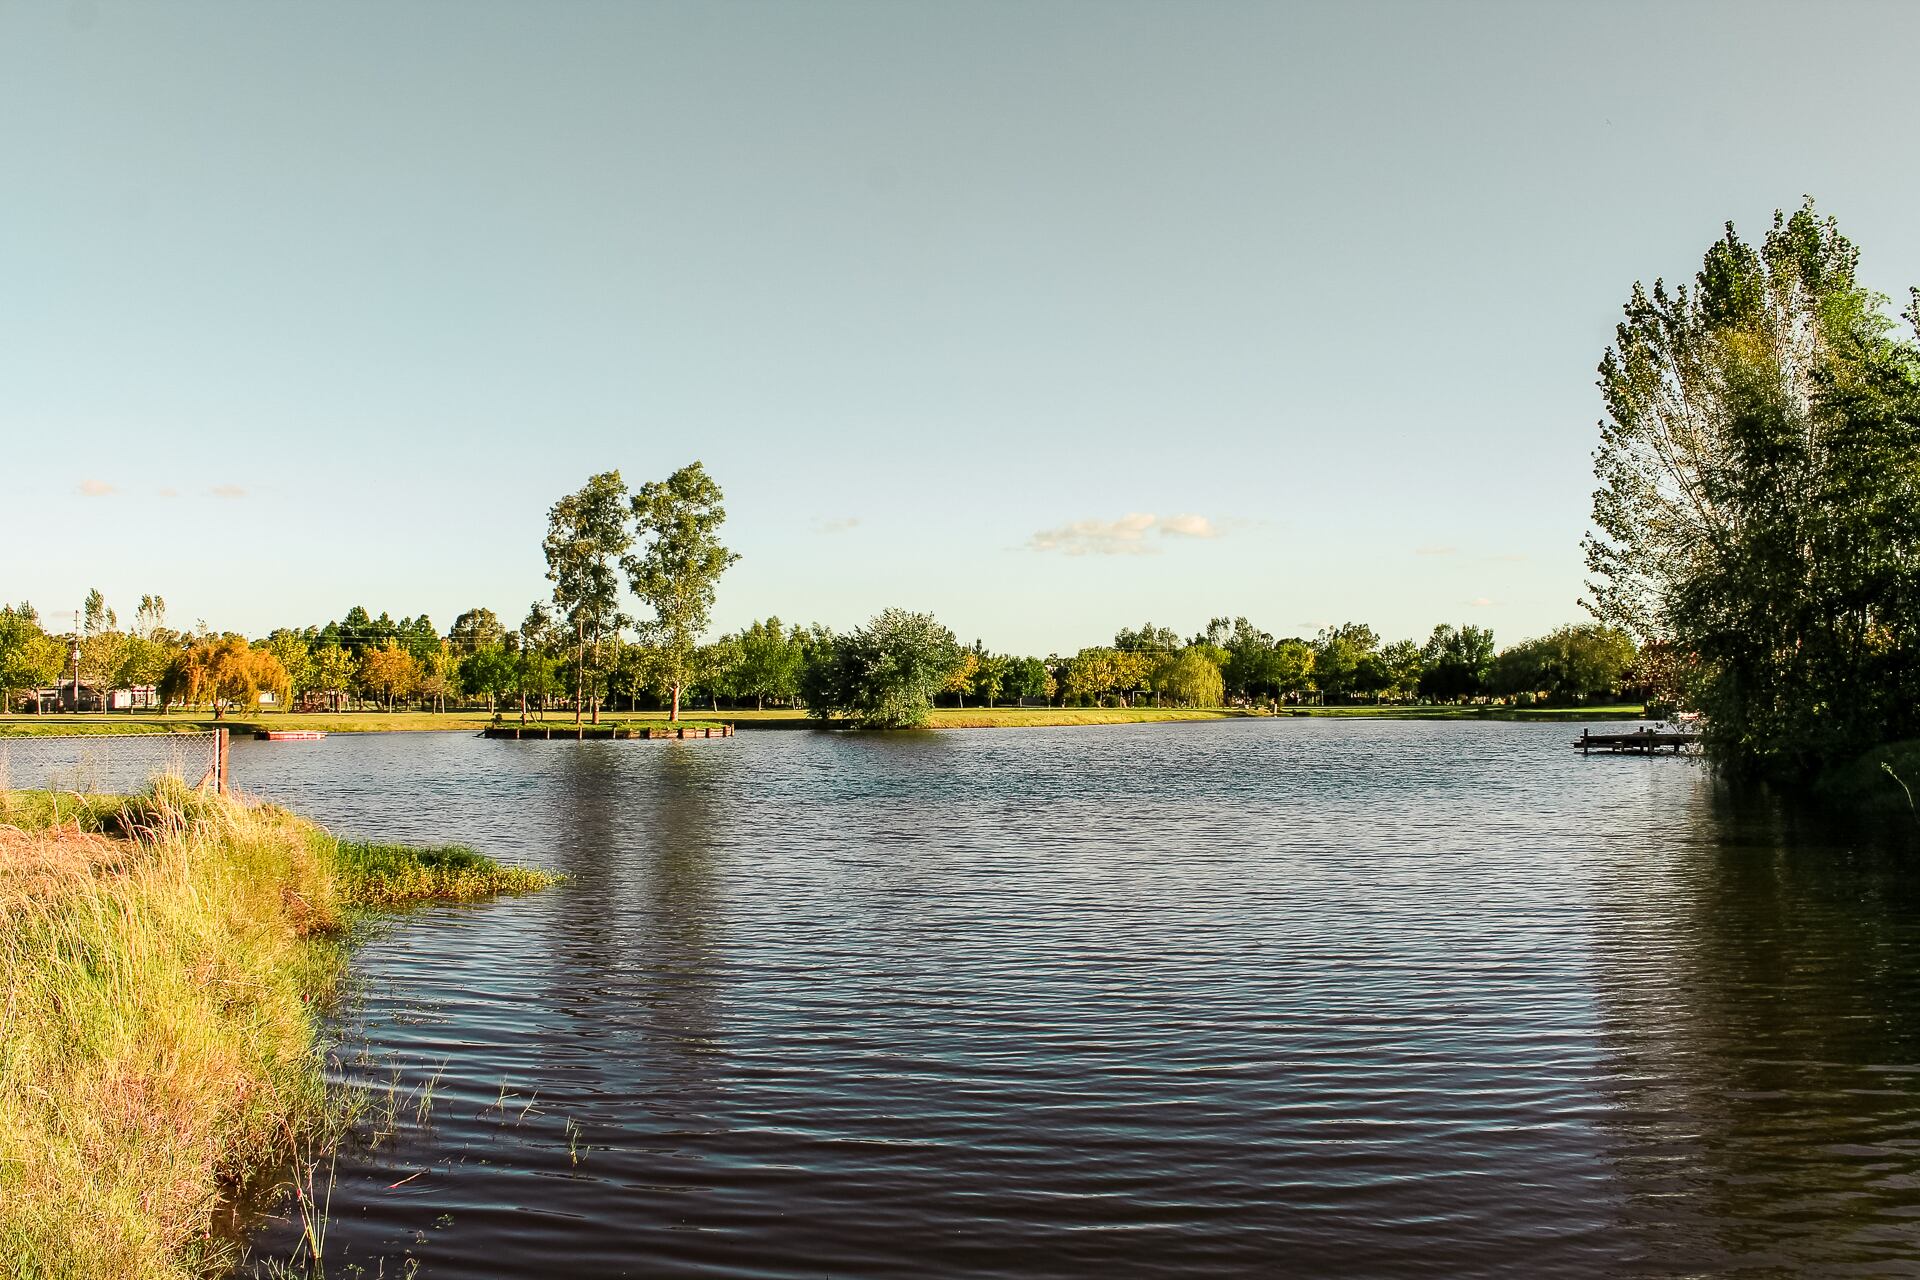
163,964
391,875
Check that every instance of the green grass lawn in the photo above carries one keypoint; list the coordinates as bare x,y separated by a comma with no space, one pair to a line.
324,721
1622,711
783,717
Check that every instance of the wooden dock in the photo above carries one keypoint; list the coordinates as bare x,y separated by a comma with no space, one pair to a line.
1641,742
583,732
288,735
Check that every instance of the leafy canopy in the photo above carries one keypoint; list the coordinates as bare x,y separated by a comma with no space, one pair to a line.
678,568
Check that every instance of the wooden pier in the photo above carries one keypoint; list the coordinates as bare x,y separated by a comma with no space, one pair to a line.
583,732
288,735
1641,742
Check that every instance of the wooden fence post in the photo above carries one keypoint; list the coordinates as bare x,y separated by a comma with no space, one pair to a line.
220,762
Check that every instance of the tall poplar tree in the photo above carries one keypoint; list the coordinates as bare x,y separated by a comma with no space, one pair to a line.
679,565
586,533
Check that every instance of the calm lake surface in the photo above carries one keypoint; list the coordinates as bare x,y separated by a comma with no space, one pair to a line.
1328,997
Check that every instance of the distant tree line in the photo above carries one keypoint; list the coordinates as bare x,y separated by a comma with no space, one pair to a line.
890,672
577,649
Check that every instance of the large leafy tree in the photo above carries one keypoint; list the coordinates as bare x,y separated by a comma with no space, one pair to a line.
149,646
390,672
476,629
489,672
334,669
223,670
1147,638
1456,662
1190,678
990,676
966,666
419,637
885,674
295,656
29,657
1090,675
359,631
769,661
678,568
1292,666
1580,663
103,645
1028,678
1249,665
1759,500
1133,671
533,660
1398,666
716,668
1338,654
586,534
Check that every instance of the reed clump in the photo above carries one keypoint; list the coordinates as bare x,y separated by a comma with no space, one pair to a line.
164,962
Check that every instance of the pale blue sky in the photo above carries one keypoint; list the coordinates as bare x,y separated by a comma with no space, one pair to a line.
309,306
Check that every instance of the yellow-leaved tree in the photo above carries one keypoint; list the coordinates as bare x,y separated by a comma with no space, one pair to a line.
389,673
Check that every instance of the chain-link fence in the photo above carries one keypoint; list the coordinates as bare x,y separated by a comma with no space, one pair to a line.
111,762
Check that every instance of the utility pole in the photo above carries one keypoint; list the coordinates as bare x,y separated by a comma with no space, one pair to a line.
76,660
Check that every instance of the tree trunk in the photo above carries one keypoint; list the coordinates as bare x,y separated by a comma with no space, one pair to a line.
760,703
596,674
579,667
675,714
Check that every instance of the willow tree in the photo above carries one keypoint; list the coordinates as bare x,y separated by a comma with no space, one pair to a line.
678,568
1190,679
1759,500
586,533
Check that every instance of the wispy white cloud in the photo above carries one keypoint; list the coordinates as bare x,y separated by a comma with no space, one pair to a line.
1126,536
1434,551
169,492
227,491
841,525
1508,557
1482,602
1188,526
95,489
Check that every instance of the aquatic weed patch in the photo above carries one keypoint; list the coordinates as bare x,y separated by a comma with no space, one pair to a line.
384,876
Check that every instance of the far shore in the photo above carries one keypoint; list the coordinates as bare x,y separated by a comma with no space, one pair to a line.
781,718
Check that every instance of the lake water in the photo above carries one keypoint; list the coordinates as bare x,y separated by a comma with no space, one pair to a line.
1248,998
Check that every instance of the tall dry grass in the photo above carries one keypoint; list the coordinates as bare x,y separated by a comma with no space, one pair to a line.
163,964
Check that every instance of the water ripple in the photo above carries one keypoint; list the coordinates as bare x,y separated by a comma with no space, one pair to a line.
1242,998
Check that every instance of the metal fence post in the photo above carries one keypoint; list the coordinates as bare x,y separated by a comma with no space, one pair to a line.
220,761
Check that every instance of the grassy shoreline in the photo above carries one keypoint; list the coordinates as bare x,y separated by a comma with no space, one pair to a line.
165,962
783,718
